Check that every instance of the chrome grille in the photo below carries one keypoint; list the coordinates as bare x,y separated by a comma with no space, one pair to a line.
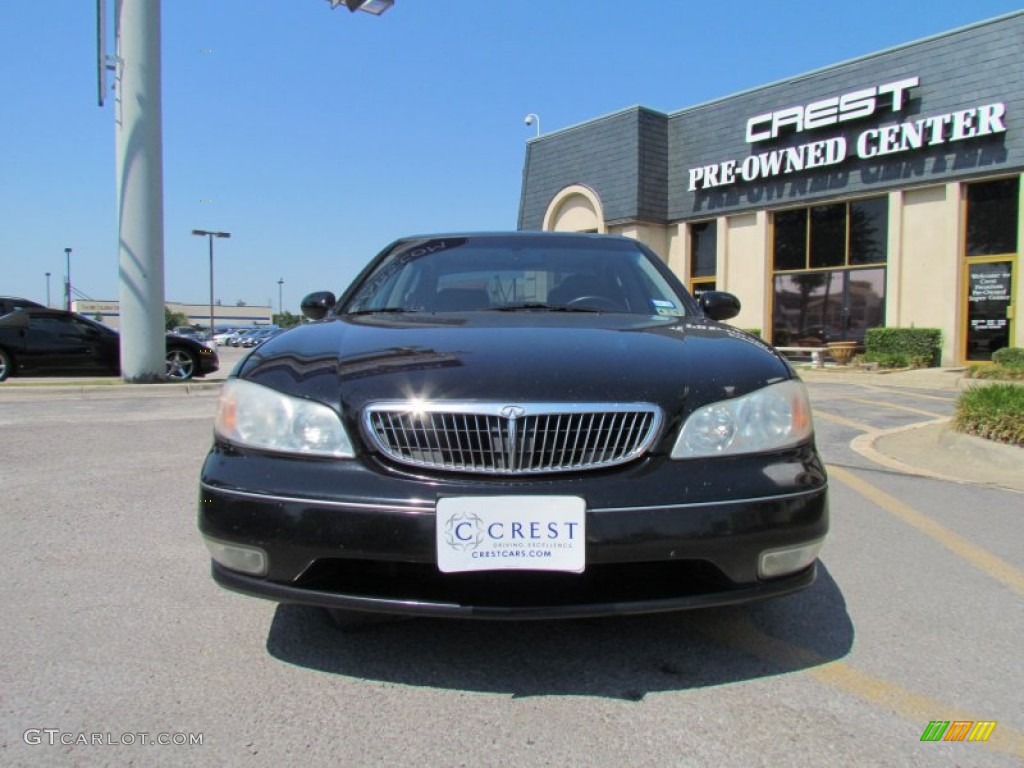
499,438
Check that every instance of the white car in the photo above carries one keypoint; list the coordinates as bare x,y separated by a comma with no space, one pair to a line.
221,337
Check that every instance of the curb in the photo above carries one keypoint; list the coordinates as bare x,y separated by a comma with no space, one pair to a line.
931,449
186,389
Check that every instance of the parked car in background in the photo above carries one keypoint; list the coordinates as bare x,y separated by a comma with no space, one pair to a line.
38,341
257,337
220,337
270,335
520,425
189,332
235,339
13,303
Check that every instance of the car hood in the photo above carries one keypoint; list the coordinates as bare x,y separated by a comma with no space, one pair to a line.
677,363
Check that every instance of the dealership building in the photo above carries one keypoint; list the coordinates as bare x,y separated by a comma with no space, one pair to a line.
234,316
882,191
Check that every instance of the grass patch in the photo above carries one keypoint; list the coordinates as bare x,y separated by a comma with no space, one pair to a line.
995,371
994,411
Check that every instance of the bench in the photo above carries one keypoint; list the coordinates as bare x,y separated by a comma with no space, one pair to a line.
816,353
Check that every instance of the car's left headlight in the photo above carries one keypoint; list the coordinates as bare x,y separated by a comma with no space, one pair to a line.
777,416
255,416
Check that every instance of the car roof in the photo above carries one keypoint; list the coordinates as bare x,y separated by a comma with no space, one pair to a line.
523,234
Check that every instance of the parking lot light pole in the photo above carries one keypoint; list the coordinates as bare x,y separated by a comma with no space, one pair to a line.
211,235
47,290
280,294
67,281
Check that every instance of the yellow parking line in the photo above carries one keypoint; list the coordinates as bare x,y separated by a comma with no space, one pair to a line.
843,421
906,393
994,566
739,632
896,407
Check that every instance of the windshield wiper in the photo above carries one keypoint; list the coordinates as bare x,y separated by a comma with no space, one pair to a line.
537,306
382,311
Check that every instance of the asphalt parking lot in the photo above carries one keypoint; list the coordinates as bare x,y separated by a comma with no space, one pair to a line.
115,632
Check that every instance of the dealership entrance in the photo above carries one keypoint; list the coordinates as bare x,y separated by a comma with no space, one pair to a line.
989,288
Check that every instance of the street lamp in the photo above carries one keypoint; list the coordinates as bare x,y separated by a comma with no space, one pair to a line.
376,7
47,290
532,118
67,281
211,235
280,302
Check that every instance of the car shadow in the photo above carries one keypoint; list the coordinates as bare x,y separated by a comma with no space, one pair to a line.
617,657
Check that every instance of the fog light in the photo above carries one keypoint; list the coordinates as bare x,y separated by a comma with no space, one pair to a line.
779,562
238,558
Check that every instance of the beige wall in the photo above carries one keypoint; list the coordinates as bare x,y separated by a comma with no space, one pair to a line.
575,209
678,250
744,267
654,236
925,264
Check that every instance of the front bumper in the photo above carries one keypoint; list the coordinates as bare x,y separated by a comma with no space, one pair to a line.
361,536
208,364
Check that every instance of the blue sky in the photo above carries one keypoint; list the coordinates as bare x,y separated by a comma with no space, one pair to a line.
319,136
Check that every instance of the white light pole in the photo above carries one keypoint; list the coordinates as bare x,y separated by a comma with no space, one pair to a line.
211,235
140,190
67,280
280,294
138,123
47,290
532,118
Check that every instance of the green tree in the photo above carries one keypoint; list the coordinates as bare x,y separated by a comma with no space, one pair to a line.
174,319
286,319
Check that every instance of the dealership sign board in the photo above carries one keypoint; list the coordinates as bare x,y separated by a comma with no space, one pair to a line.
877,142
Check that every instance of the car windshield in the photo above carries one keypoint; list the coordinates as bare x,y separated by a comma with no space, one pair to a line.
474,274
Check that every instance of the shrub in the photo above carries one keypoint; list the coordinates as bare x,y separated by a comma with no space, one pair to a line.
991,371
888,359
910,346
754,332
1009,357
993,411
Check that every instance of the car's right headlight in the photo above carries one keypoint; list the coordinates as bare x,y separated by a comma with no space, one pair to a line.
255,416
767,419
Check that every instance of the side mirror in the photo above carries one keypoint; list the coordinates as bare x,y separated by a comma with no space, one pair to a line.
316,305
719,305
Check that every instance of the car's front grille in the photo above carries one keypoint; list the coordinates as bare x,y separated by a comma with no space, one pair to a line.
505,439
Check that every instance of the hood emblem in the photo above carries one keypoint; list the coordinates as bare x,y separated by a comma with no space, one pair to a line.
512,411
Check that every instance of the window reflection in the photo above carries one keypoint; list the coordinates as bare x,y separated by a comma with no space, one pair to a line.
815,308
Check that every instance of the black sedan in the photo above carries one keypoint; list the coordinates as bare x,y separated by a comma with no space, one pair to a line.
40,342
519,425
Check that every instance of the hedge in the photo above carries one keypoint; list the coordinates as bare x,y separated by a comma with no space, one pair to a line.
920,347
1009,357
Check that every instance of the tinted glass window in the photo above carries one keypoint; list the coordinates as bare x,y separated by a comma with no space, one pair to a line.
869,231
703,249
828,236
56,326
493,273
791,240
992,215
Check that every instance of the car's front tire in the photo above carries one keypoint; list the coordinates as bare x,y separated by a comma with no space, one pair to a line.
6,364
181,364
